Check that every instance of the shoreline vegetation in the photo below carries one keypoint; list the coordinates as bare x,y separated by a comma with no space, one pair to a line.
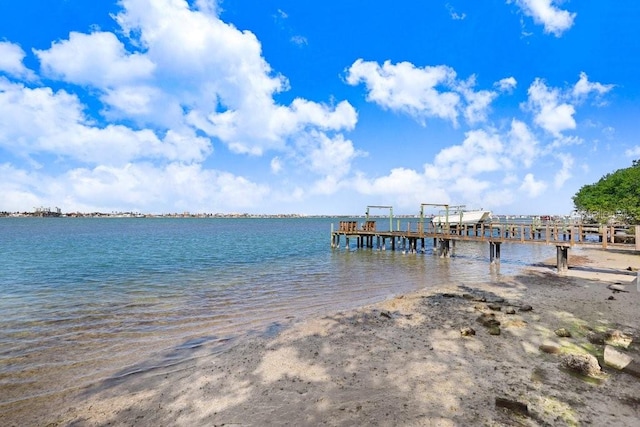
525,350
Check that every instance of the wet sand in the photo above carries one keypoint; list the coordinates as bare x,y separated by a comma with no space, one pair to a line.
400,362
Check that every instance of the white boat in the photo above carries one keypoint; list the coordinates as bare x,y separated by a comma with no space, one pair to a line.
462,217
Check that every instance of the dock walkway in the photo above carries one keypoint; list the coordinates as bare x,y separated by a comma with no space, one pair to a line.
413,236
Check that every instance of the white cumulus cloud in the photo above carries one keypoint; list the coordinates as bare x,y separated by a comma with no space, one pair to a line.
554,108
532,187
584,87
189,69
478,103
555,20
174,187
565,171
403,187
418,92
98,59
329,158
523,144
506,85
11,57
633,152
43,121
422,93
166,86
550,113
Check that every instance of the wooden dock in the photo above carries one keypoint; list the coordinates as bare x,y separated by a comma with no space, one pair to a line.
412,237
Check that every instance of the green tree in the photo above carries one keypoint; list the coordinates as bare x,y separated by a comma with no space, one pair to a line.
615,195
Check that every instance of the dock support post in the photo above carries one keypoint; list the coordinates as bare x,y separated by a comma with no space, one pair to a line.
444,248
347,243
494,252
562,258
638,241
333,237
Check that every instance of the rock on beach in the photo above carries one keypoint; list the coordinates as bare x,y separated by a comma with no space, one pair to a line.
584,364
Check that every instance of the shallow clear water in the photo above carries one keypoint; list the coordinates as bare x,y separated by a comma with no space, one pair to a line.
84,299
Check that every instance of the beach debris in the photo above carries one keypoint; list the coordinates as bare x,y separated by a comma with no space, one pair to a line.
616,359
512,405
562,332
479,299
510,310
467,331
611,298
550,348
494,307
621,361
449,295
584,364
611,337
494,330
515,323
497,300
385,314
488,320
596,337
617,338
468,296
617,288
526,307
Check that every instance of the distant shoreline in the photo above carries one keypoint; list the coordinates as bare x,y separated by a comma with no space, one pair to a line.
185,215
47,214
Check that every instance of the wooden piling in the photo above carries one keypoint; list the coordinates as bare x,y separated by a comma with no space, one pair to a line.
494,252
562,257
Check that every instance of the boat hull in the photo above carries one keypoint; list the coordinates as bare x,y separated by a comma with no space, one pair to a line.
464,217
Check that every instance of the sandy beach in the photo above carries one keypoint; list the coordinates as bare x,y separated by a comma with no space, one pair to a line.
410,361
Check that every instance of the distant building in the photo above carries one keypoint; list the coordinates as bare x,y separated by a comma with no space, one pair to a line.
47,212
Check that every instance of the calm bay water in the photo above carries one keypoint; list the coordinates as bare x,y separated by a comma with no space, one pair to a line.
86,299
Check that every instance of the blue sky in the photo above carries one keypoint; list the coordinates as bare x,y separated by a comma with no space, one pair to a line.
163,106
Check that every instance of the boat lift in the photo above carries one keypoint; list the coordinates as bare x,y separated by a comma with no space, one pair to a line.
446,209
382,207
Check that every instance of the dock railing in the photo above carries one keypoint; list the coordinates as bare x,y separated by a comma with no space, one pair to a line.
548,232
